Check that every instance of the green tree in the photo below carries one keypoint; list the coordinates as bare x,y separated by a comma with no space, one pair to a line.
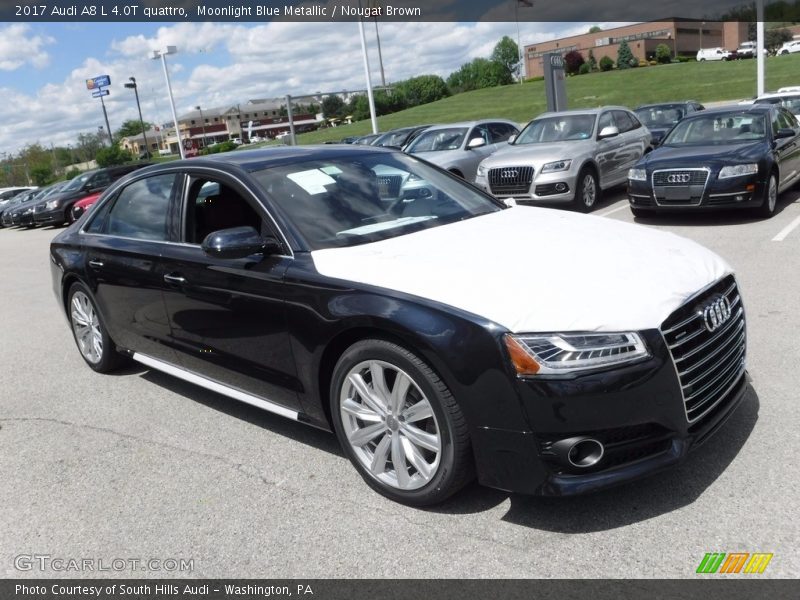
333,106
625,57
41,174
606,64
110,156
506,54
421,90
477,74
663,53
88,144
592,61
130,128
595,29
775,38
71,174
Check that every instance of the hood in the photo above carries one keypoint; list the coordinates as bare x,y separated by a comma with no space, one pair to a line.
536,153
691,155
536,270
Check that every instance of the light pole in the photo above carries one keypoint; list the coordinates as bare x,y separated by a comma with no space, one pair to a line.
132,86
162,54
203,123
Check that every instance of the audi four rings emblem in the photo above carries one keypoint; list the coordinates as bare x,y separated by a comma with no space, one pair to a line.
508,173
717,314
678,178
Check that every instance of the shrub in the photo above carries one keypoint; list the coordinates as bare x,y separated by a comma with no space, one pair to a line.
663,54
592,61
606,64
71,173
573,60
585,68
110,156
625,56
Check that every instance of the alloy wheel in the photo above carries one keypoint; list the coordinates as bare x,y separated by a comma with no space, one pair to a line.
589,190
390,425
772,195
86,326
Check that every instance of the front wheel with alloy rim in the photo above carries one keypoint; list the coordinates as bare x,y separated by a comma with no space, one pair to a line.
767,208
89,332
587,191
399,424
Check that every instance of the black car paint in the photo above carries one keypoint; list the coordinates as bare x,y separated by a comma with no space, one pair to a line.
274,327
771,155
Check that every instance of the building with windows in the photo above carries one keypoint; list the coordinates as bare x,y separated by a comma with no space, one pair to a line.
684,38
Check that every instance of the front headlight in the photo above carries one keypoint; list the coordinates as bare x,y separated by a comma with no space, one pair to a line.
481,171
568,354
559,165
637,174
51,205
738,170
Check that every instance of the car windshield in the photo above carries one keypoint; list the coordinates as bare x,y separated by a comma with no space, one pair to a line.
726,128
346,202
557,129
78,182
790,103
392,138
439,140
660,117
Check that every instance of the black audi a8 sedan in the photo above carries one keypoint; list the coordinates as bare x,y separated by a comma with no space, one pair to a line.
367,292
734,157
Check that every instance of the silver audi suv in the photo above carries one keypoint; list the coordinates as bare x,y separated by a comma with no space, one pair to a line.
567,156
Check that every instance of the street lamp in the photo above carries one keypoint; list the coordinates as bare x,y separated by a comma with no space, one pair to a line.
203,123
162,54
132,86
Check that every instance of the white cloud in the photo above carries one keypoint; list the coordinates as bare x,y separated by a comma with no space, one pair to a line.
18,47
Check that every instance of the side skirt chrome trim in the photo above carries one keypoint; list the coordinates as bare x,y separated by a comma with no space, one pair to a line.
215,386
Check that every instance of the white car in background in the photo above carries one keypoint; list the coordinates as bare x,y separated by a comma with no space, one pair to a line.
789,48
788,100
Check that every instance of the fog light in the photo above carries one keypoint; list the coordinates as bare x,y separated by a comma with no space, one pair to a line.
561,187
739,198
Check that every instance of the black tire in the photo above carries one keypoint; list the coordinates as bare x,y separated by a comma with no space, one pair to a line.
770,199
641,212
453,462
109,359
585,201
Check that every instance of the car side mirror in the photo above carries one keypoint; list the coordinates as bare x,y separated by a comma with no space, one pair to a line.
785,133
236,242
476,143
512,138
608,132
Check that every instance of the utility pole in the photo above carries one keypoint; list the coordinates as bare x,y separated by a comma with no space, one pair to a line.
108,127
132,85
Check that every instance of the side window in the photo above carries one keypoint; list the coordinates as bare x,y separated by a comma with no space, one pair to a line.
101,180
623,121
212,205
480,132
500,132
141,208
98,219
605,121
635,121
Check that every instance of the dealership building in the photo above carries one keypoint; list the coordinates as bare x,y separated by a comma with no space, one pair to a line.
684,37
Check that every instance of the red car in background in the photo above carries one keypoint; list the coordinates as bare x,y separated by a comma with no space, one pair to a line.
82,205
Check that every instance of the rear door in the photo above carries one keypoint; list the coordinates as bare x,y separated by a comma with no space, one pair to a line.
608,151
787,150
634,137
227,315
126,237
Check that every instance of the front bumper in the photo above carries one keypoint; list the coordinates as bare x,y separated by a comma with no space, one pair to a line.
717,194
53,216
558,186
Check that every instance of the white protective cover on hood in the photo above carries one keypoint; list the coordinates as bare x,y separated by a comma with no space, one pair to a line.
538,270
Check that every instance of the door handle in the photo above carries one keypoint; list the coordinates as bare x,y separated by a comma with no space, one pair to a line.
96,264
175,279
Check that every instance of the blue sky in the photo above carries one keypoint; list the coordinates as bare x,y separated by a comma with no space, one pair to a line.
43,66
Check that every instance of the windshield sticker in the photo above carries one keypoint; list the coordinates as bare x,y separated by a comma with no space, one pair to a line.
313,181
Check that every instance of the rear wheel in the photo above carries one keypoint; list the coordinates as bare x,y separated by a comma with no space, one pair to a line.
587,192
89,331
770,202
399,424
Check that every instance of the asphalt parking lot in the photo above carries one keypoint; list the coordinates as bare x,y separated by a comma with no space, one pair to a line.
141,465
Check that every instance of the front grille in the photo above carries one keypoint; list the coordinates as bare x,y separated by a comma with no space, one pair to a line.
389,185
676,187
708,363
510,180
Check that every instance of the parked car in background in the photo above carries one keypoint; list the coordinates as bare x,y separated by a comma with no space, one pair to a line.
788,100
567,157
398,138
460,147
57,210
790,88
735,157
366,140
83,205
659,118
713,54
351,139
22,212
295,287
237,141
7,193
789,48
256,139
8,206
748,50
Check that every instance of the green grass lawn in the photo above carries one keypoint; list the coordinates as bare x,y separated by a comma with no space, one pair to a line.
704,82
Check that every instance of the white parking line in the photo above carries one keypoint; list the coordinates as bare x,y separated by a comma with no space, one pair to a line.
787,230
613,210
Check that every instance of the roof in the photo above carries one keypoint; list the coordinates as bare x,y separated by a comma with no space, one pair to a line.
732,108
469,124
583,111
655,104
